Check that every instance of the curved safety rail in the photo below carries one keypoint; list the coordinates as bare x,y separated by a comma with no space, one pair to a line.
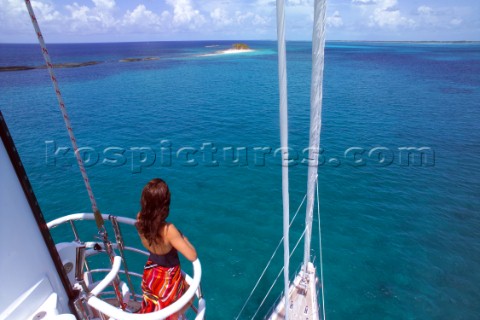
117,262
116,313
86,216
94,297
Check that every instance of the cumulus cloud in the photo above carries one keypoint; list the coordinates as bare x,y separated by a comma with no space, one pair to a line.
426,15
294,3
220,17
383,13
364,2
437,17
16,9
98,18
104,4
184,14
425,10
59,18
142,19
456,22
14,16
46,11
389,18
245,18
335,20
95,20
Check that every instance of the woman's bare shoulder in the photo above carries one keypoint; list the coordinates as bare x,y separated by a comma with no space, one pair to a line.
171,230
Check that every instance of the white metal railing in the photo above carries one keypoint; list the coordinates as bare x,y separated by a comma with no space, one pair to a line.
119,314
117,262
94,297
86,216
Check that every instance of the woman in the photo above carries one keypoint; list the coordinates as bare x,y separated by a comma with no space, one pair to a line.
163,282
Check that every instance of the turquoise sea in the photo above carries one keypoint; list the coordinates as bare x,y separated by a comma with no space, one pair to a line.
401,235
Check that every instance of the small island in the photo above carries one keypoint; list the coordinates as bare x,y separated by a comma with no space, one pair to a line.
138,59
236,48
240,46
56,66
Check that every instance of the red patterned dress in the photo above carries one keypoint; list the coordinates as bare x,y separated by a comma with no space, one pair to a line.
163,282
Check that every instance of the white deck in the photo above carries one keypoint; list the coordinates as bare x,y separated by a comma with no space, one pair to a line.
302,298
27,268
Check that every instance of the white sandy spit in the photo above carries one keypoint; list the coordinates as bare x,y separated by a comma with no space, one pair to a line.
228,51
233,51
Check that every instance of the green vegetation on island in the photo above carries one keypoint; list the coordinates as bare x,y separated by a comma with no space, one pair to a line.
240,46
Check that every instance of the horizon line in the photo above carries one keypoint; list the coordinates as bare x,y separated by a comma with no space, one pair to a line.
270,40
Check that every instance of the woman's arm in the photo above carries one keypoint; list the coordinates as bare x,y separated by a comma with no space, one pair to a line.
181,243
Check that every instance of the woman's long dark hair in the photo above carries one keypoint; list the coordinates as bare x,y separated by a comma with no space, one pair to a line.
155,203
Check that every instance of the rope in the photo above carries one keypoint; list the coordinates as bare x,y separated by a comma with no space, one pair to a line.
283,268
269,261
321,253
282,82
98,217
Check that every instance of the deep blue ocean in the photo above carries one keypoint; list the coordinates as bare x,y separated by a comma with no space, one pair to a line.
399,178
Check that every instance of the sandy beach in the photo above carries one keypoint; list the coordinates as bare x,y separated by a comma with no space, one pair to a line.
228,51
234,51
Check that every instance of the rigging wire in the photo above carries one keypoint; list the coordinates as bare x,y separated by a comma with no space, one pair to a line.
269,261
321,253
278,276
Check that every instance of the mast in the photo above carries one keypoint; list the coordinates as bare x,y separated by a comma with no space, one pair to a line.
282,82
316,94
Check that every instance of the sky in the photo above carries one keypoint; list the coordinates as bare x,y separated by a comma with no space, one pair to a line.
70,21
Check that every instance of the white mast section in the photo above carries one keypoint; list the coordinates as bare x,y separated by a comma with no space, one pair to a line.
282,82
316,94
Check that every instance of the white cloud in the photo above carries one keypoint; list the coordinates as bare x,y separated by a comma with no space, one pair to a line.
79,13
294,3
439,18
185,15
250,18
96,19
220,17
383,13
364,2
386,4
427,16
335,20
104,4
424,10
389,18
456,22
14,18
46,11
14,9
142,19
264,4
